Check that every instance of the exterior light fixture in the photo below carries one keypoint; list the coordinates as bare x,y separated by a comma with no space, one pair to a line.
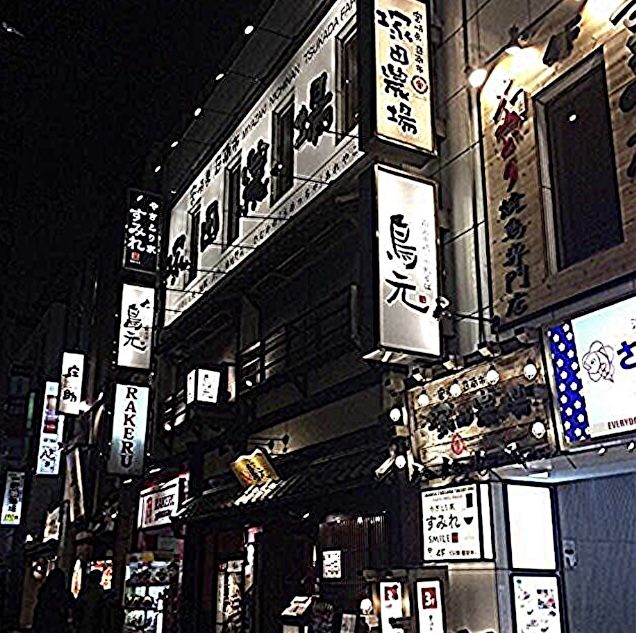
366,606
219,77
602,450
360,520
395,414
631,446
198,111
492,376
400,462
306,515
477,77
174,144
173,192
423,400
530,370
538,429
152,471
127,481
167,427
157,169
249,29
455,390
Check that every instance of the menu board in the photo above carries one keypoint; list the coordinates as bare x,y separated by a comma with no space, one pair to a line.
537,605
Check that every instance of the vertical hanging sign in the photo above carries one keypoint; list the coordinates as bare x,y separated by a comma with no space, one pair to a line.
128,442
399,75
70,396
143,218
136,326
13,495
51,434
406,270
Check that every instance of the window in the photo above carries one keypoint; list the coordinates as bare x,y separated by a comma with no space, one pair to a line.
233,202
194,244
283,152
579,184
348,74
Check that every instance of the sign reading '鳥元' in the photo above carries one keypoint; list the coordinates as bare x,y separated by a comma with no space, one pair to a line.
136,326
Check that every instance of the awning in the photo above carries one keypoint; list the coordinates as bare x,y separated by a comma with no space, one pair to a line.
299,482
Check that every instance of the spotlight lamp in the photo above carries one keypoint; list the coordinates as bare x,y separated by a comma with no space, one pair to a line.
395,414
174,144
219,76
423,399
477,77
631,446
492,376
530,371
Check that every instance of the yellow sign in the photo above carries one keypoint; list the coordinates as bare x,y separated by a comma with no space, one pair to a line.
254,469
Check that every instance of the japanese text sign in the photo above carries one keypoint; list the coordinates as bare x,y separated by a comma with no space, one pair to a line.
129,430
158,504
404,111
594,369
12,503
331,564
203,385
430,606
391,605
452,524
51,434
254,469
70,396
136,326
143,221
406,263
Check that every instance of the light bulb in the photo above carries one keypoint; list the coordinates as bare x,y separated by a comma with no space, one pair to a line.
455,390
492,376
477,77
423,400
249,29
395,414
197,112
538,430
400,462
174,144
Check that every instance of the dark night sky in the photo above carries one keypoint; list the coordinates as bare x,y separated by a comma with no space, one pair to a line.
85,95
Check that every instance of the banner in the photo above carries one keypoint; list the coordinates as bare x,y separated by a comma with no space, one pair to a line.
128,442
13,496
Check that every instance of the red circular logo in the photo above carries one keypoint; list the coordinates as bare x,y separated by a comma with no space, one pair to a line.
420,85
457,445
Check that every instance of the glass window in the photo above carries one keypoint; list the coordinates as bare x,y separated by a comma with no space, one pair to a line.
580,184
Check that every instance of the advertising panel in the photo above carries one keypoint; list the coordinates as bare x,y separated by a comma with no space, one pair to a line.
13,497
537,606
51,434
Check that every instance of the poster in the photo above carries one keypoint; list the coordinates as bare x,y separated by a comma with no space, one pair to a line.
452,524
51,434
537,607
332,564
136,321
71,380
390,605
430,606
13,498
128,441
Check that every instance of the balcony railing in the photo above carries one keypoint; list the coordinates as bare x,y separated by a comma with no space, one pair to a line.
320,334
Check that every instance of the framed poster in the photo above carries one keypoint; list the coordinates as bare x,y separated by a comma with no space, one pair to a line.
430,606
390,605
537,604
332,564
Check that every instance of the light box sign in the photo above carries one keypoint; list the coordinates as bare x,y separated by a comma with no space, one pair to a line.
136,326
456,523
51,433
203,385
158,504
129,430
398,74
71,380
406,269
430,606
13,497
537,604
594,373
254,469
143,221
332,564
391,605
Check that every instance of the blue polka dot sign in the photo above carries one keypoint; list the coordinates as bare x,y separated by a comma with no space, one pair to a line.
593,361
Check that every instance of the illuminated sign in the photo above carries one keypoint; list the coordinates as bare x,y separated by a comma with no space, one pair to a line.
143,223
537,604
129,430
136,326
203,385
13,497
594,373
430,606
331,564
70,396
391,606
51,434
254,469
158,504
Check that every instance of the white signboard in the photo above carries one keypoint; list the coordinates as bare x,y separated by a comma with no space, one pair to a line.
332,564
13,496
390,605
537,607
203,385
136,326
430,606
452,523
71,380
320,157
51,434
129,430
407,263
158,504
404,111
